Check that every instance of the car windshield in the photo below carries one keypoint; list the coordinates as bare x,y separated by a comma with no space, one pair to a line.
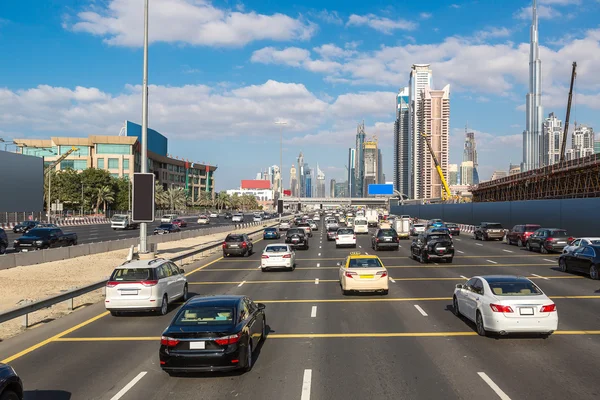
364,263
387,232
270,230
38,233
276,249
558,233
493,226
345,232
234,238
131,274
119,217
192,315
165,226
514,288
438,237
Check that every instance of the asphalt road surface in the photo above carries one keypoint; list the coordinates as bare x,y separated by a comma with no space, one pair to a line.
325,346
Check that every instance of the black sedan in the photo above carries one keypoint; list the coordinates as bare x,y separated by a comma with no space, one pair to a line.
454,229
166,228
213,333
25,226
585,259
11,387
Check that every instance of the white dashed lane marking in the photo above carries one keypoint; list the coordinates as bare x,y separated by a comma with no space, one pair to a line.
492,384
490,261
313,312
423,313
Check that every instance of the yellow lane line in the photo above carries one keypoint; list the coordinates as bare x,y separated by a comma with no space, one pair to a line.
52,339
204,266
321,335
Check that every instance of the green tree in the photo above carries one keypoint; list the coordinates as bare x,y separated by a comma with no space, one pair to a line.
104,195
122,192
223,200
176,197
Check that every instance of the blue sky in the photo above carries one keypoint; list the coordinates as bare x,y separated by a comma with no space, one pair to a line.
222,72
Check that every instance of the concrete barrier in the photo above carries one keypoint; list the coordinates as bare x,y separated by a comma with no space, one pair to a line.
58,254
79,250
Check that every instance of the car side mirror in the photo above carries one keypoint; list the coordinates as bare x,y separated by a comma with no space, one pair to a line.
181,271
459,286
339,264
261,306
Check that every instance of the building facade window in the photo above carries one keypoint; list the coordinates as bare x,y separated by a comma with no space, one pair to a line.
113,163
39,151
77,165
82,150
103,148
114,175
125,165
101,163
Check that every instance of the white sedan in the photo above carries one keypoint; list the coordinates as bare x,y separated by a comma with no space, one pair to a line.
580,242
505,304
278,256
203,220
345,237
214,215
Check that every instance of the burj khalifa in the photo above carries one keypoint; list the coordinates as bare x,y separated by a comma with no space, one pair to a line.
532,135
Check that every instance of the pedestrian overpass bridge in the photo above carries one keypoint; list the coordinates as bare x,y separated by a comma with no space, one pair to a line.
337,201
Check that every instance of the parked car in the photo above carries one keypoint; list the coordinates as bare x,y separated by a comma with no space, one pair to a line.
297,237
505,304
271,233
163,229
44,238
180,222
585,259
430,246
546,240
11,386
278,256
25,226
168,218
520,233
489,231
385,239
213,333
142,285
345,237
580,242
3,241
454,229
203,220
238,244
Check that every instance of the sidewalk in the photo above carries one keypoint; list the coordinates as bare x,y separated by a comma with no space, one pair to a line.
35,282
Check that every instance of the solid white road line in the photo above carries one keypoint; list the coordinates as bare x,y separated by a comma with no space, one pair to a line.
493,385
464,277
461,252
552,261
313,312
539,276
490,261
129,386
508,251
306,380
478,244
241,283
316,281
423,313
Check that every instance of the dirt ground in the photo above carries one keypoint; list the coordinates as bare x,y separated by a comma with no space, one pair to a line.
36,282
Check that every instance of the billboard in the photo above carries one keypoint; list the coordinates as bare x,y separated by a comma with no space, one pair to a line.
256,184
287,193
22,183
143,197
381,189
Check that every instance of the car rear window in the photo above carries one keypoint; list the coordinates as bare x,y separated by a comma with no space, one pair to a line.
132,274
418,225
364,263
234,238
387,232
439,237
205,316
276,249
270,230
295,231
345,231
360,222
493,226
514,288
558,233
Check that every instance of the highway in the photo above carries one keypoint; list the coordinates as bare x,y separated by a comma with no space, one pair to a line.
326,346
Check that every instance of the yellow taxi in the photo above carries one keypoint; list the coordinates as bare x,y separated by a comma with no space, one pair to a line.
363,273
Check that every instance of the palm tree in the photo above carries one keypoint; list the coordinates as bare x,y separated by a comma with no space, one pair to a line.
105,195
176,197
223,200
235,201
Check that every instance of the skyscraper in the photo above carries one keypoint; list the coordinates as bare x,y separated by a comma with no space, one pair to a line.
470,154
435,120
552,140
301,181
452,174
370,168
401,142
332,188
420,78
320,183
360,160
293,181
351,172
380,178
582,142
466,173
308,189
533,104
275,178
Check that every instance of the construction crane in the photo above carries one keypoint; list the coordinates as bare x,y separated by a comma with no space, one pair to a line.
446,194
55,163
564,138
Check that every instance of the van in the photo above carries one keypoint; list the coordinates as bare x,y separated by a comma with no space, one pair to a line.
361,225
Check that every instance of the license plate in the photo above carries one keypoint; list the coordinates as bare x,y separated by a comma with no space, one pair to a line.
24,250
295,240
561,242
161,232
197,345
387,238
526,311
441,249
233,245
128,292
367,276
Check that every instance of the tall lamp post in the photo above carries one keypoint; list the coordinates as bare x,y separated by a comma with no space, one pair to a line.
144,149
281,124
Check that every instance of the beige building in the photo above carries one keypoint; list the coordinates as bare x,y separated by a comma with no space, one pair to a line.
466,173
435,120
371,164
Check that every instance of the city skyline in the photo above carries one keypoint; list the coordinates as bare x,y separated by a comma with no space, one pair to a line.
320,67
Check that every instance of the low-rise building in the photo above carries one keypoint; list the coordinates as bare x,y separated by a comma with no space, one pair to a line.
259,188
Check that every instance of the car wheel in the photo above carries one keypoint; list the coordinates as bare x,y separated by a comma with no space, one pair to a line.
562,265
9,395
449,260
455,309
2,249
115,313
184,296
594,273
479,323
385,292
520,243
528,246
248,365
263,334
263,269
164,307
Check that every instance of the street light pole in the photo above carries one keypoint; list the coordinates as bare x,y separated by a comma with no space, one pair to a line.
144,150
81,199
280,123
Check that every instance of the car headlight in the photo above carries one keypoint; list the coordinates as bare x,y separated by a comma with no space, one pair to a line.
16,241
39,242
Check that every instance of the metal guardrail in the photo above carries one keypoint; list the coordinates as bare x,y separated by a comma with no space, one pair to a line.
70,295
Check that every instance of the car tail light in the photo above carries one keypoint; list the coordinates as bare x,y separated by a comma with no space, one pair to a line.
349,274
244,244
550,239
376,240
264,256
287,256
383,274
548,308
149,283
224,245
354,236
111,284
501,308
337,237
224,341
570,239
169,341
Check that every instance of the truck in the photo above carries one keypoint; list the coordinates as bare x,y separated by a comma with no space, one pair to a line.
372,217
123,221
402,226
44,238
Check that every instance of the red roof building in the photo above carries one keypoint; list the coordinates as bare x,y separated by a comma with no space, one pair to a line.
256,184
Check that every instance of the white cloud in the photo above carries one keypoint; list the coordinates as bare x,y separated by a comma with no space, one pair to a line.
425,15
454,6
491,33
381,24
195,22
544,12
329,51
293,56
331,17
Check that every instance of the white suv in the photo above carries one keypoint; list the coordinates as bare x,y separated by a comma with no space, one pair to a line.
168,218
145,285
237,218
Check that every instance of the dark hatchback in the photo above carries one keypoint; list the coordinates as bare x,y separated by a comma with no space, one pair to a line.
25,226
296,237
166,228
271,233
11,387
214,333
454,229
385,239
